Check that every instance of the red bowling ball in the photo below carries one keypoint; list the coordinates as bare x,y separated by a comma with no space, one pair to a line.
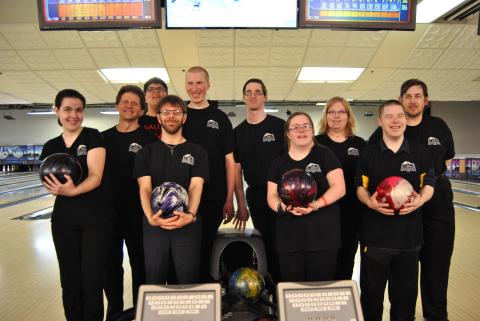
395,191
297,188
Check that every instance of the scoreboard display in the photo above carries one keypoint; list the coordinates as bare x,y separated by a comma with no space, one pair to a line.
98,14
358,14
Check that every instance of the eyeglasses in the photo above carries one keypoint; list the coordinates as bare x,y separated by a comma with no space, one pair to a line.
249,93
156,90
297,128
168,112
336,113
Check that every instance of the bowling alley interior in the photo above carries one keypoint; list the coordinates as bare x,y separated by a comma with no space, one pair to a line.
38,59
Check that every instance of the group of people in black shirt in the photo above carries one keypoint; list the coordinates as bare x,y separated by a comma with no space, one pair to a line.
194,145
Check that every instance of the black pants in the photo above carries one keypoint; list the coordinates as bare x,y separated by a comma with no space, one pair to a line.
127,228
435,256
400,268
211,213
350,230
180,246
307,265
263,219
82,256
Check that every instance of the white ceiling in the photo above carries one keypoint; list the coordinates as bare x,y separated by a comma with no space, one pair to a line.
35,64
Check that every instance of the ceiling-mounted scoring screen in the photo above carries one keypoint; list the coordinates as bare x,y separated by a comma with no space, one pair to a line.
358,14
98,14
231,13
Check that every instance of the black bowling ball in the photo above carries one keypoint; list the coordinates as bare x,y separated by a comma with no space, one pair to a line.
61,164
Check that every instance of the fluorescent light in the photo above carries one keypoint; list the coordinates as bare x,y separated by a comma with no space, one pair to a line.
40,112
133,75
430,10
329,74
320,104
109,112
271,110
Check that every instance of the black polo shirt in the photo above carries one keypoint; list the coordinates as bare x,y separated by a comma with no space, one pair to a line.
412,162
257,145
433,133
157,161
151,124
319,230
211,129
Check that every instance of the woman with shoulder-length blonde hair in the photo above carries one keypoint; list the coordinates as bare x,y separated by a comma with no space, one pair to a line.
337,127
307,238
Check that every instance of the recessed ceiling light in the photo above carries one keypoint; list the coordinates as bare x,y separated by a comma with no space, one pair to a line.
430,10
109,112
329,74
40,112
132,75
271,110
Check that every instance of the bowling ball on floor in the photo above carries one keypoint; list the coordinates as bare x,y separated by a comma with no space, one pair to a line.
297,188
61,164
395,191
246,284
169,197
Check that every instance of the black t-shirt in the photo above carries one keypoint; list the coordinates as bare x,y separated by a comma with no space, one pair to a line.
211,129
257,145
121,151
433,133
318,230
156,160
151,124
88,208
412,162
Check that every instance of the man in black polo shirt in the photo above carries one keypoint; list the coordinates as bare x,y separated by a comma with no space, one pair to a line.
210,128
155,89
439,213
177,239
390,243
258,141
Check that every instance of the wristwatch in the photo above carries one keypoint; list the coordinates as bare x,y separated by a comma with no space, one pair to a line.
193,216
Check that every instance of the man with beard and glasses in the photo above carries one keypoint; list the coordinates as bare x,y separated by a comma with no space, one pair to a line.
438,213
177,239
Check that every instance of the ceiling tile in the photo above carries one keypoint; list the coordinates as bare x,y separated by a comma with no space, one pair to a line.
304,91
400,75
299,37
58,79
356,57
439,76
474,62
322,56
322,37
454,58
252,56
242,74
110,58
467,38
216,57
255,38
215,38
287,56
74,58
275,73
62,39
138,38
145,57
9,60
39,59
371,39
422,58
439,35
22,36
219,74
103,39
4,44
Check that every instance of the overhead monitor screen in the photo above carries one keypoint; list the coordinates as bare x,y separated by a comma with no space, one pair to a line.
358,14
231,13
98,14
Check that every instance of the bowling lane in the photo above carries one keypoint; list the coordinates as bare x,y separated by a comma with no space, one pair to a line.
18,178
466,186
10,197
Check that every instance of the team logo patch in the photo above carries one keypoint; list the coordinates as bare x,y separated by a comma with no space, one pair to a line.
352,151
81,150
134,147
212,124
188,159
408,167
313,168
268,137
433,141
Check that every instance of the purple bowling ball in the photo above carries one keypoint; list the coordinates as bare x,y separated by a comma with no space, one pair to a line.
169,197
